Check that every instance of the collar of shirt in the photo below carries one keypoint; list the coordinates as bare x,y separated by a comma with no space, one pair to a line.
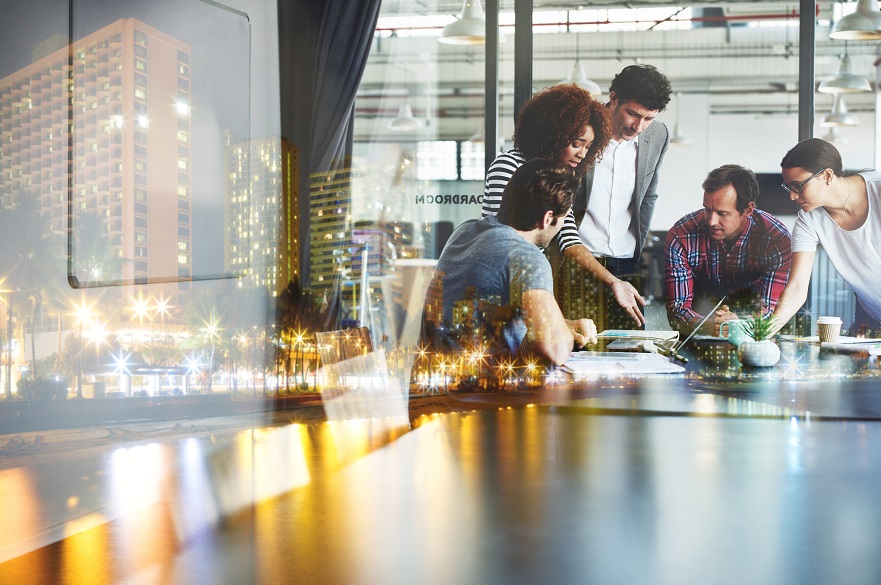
615,144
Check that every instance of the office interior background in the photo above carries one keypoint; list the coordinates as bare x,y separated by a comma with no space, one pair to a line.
162,148
160,145
164,178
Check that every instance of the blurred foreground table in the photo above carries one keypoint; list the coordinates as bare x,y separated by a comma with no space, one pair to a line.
759,477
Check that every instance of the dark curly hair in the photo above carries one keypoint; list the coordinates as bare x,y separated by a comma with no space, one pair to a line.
643,84
551,119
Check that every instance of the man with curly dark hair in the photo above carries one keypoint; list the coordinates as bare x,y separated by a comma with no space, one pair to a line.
609,225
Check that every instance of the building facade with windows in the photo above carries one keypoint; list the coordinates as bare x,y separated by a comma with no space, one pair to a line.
99,131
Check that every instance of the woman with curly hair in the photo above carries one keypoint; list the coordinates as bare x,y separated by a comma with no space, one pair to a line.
562,123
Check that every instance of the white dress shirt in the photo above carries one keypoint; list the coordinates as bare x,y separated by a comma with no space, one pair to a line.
607,228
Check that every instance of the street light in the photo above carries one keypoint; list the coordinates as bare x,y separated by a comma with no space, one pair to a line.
83,314
7,347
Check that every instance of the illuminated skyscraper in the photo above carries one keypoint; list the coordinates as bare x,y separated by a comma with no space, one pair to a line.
102,128
289,239
262,213
330,225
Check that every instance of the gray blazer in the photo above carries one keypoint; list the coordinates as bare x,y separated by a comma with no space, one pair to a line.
653,144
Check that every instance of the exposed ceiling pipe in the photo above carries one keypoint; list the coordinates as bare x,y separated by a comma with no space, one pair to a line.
792,14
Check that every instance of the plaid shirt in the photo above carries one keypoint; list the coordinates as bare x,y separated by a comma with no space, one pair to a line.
696,264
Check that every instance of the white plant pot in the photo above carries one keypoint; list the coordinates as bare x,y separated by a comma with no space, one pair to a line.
758,353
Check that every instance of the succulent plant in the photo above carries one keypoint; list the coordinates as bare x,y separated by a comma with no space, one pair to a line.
758,327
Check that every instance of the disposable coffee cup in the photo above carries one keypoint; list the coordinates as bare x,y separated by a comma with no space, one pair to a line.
828,329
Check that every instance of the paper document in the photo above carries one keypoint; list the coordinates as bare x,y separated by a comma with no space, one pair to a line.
663,335
842,340
873,348
629,340
596,363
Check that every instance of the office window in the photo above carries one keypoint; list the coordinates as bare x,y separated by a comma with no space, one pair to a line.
472,161
436,160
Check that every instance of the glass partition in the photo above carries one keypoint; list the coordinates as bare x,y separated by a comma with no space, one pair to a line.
141,196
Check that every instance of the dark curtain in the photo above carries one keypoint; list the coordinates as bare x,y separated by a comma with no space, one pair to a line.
323,47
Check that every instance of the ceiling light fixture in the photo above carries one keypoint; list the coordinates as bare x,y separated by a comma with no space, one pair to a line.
477,137
678,139
834,137
469,29
406,121
864,24
577,76
845,81
839,115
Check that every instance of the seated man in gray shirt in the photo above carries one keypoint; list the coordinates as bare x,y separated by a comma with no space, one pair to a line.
493,284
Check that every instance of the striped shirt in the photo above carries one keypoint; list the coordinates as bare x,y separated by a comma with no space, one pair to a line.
497,178
757,262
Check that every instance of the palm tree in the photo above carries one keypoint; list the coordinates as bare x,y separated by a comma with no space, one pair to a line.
297,318
92,257
32,264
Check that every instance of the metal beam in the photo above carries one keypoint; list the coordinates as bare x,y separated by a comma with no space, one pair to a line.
491,90
807,33
522,53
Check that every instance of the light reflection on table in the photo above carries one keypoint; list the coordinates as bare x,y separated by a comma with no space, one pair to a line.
762,479
510,496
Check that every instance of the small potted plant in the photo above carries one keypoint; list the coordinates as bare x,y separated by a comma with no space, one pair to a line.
759,349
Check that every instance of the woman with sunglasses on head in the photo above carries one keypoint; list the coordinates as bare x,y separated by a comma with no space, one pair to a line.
840,211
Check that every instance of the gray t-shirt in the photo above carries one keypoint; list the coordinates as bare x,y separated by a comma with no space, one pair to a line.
500,266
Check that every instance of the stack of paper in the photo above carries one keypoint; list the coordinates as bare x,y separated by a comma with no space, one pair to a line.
630,340
583,364
854,345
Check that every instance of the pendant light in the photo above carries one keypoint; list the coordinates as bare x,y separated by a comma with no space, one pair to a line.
834,137
845,81
577,76
406,121
477,137
678,139
839,115
469,29
864,24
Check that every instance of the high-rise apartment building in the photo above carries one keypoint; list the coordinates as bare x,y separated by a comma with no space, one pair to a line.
101,128
330,222
262,213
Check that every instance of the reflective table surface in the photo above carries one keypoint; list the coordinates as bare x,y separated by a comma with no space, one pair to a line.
720,475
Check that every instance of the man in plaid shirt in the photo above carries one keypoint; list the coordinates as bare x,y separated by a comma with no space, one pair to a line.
727,248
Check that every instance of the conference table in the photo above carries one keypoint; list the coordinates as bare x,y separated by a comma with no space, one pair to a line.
719,474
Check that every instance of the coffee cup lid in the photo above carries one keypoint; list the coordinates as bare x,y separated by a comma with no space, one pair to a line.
829,319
